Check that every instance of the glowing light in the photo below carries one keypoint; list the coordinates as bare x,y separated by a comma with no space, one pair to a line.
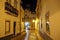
26,23
33,21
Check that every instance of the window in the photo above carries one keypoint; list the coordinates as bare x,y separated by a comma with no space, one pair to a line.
47,22
11,9
7,26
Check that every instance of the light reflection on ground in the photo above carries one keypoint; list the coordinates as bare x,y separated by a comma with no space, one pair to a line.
30,35
27,34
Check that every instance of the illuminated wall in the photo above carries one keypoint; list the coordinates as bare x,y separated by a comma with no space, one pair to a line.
52,7
37,26
22,22
10,16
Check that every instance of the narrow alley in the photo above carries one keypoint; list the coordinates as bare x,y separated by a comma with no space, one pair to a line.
29,19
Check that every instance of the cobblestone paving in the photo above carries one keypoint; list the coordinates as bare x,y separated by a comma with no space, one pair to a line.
30,35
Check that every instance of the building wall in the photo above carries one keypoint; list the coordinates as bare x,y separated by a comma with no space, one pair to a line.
36,24
22,22
53,7
5,16
37,15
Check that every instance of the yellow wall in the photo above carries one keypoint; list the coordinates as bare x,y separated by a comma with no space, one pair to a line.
53,6
54,9
55,25
4,16
22,22
37,15
36,24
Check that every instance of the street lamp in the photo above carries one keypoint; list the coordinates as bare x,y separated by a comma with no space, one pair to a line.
33,20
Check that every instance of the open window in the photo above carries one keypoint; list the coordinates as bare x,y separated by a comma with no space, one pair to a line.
47,22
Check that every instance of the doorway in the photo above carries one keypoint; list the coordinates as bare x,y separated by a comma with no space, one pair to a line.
14,28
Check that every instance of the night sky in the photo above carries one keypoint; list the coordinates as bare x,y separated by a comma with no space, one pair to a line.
29,4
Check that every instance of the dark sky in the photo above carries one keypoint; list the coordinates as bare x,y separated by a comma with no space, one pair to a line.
29,4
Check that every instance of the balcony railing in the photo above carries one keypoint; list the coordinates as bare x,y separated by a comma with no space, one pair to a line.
11,9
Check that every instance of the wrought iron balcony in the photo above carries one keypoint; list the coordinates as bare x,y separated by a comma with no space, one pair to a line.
11,9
